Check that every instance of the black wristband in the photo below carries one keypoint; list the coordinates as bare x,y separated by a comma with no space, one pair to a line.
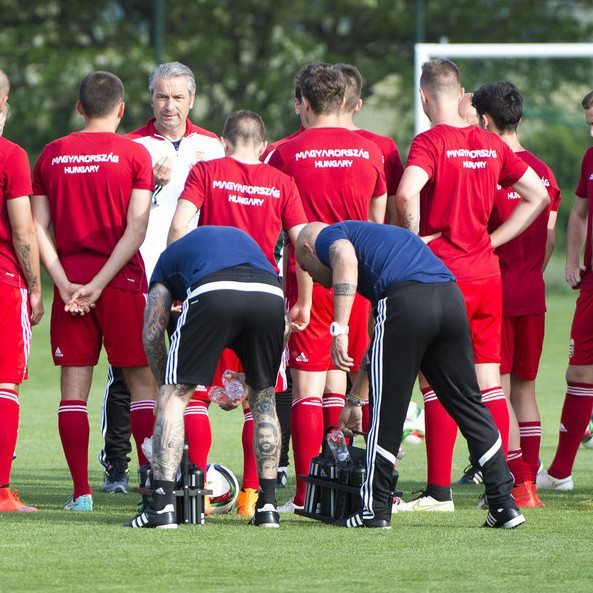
354,401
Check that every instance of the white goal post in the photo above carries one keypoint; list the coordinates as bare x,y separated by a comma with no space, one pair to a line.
426,51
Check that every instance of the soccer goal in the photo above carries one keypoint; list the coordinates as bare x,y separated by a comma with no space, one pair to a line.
426,51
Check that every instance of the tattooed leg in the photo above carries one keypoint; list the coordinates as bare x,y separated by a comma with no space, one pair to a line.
167,440
267,432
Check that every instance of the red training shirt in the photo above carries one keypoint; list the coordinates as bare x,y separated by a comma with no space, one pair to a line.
88,179
521,260
585,190
463,165
256,198
270,148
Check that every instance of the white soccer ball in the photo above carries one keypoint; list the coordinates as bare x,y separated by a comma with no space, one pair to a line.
413,433
225,488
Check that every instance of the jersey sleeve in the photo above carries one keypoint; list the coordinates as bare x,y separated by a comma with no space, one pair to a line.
553,191
422,154
195,186
581,189
18,179
293,212
326,238
513,167
143,174
393,170
158,274
377,161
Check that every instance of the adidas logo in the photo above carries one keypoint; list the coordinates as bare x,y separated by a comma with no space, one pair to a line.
58,353
302,358
562,428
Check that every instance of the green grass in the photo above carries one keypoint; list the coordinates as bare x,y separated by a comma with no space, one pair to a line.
54,550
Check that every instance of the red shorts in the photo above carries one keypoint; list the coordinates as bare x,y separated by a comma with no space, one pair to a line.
483,302
309,350
580,350
15,333
522,344
116,321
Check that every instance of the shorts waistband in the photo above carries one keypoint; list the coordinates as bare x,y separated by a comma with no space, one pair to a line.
237,286
411,284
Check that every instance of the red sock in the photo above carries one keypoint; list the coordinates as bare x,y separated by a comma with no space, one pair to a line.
531,436
515,462
9,425
493,398
141,424
332,408
366,419
73,425
250,479
198,433
441,432
576,414
306,429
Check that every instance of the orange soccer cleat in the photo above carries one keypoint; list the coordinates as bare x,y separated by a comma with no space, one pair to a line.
522,495
246,502
533,490
11,503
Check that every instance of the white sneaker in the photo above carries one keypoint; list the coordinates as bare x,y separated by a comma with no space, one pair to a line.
289,507
427,504
397,504
545,481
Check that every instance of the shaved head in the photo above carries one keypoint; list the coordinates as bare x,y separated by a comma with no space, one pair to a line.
4,85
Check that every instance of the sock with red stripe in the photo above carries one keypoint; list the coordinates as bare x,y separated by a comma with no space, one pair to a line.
9,425
73,425
198,433
332,408
250,479
441,432
531,436
141,424
306,428
515,463
493,398
576,414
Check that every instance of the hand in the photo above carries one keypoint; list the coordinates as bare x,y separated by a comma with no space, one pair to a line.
300,315
83,300
36,303
350,419
229,406
66,292
176,307
574,275
428,238
339,352
162,171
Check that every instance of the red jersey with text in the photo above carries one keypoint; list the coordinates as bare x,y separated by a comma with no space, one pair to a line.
88,179
522,259
337,172
392,163
256,198
463,165
585,190
15,182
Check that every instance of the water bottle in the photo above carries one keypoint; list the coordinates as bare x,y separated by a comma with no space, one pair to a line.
233,387
218,395
337,444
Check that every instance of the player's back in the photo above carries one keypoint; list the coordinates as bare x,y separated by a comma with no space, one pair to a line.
336,171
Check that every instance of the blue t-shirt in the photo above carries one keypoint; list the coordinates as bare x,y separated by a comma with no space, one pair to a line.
202,252
387,255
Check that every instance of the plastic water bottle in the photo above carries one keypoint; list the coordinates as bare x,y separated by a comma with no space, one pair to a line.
218,395
233,387
337,444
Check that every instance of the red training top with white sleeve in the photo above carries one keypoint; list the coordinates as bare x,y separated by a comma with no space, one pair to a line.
15,182
464,166
256,198
88,179
585,190
522,259
337,172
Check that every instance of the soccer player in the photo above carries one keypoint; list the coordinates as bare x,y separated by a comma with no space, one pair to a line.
94,188
231,298
420,323
578,403
239,190
175,145
448,187
21,304
522,264
340,176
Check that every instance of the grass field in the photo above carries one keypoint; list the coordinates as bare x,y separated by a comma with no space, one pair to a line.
54,550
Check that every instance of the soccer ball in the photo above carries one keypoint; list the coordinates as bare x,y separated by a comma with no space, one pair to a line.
225,488
414,425
588,438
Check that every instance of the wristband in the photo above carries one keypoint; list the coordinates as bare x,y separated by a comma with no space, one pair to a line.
354,401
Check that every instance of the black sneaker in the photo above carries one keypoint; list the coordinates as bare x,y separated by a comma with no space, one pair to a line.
355,521
505,518
266,516
150,518
471,475
281,478
116,478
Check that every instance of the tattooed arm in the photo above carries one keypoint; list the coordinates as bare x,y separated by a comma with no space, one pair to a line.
156,319
407,198
266,431
26,247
